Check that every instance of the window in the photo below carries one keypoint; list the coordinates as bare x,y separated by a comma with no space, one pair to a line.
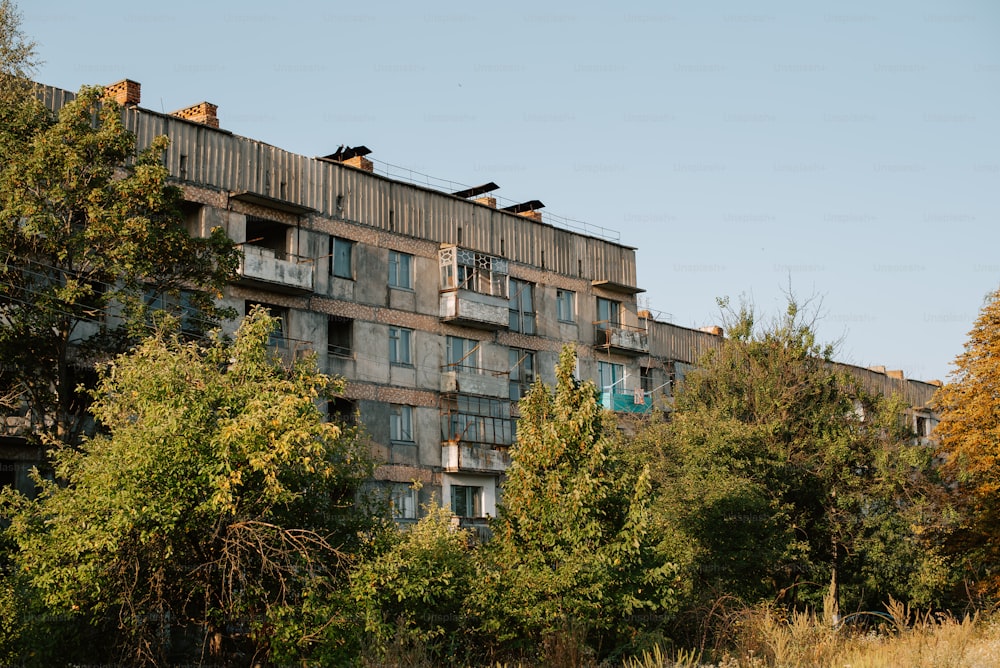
342,411
401,423
180,305
646,379
400,345
400,270
522,372
608,313
565,302
522,309
340,257
924,426
462,354
278,334
404,502
609,377
339,336
467,501
474,419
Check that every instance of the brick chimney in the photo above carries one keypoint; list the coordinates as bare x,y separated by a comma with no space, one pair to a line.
714,330
203,112
532,215
360,162
487,201
895,373
124,92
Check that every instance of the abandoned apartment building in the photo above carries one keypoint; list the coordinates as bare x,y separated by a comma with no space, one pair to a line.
439,308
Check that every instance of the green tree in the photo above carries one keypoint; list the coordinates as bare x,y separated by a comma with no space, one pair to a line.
413,594
969,445
573,553
786,480
90,236
21,114
211,512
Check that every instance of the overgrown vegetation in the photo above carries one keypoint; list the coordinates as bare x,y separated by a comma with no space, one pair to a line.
91,236
214,503
199,509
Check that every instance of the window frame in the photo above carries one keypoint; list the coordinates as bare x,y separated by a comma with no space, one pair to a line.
400,267
614,314
278,337
473,494
468,360
565,299
617,372
403,502
401,423
521,306
518,383
400,341
336,268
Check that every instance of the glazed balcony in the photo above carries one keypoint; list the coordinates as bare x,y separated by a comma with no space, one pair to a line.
473,289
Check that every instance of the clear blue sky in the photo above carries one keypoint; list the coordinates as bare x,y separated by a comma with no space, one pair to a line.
850,149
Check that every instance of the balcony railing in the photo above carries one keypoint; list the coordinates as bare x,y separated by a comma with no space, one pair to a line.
276,269
636,401
461,377
617,338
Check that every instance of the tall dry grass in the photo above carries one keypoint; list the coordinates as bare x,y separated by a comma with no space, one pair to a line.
900,637
765,637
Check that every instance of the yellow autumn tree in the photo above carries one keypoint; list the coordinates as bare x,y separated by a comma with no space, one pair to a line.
969,445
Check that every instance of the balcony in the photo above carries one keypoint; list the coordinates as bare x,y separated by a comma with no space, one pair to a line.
477,422
275,270
473,309
468,380
617,338
462,458
627,402
473,289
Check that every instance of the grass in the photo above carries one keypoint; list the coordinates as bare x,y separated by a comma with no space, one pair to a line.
900,637
764,637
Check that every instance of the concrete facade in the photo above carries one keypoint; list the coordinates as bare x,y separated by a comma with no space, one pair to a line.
438,309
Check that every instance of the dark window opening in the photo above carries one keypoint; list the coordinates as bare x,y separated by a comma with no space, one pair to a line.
339,334
342,410
268,234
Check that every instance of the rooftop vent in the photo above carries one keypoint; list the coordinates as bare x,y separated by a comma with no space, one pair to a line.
203,112
352,157
526,209
124,92
479,193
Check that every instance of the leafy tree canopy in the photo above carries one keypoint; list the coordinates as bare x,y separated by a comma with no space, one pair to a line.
781,478
215,499
91,236
969,445
572,549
